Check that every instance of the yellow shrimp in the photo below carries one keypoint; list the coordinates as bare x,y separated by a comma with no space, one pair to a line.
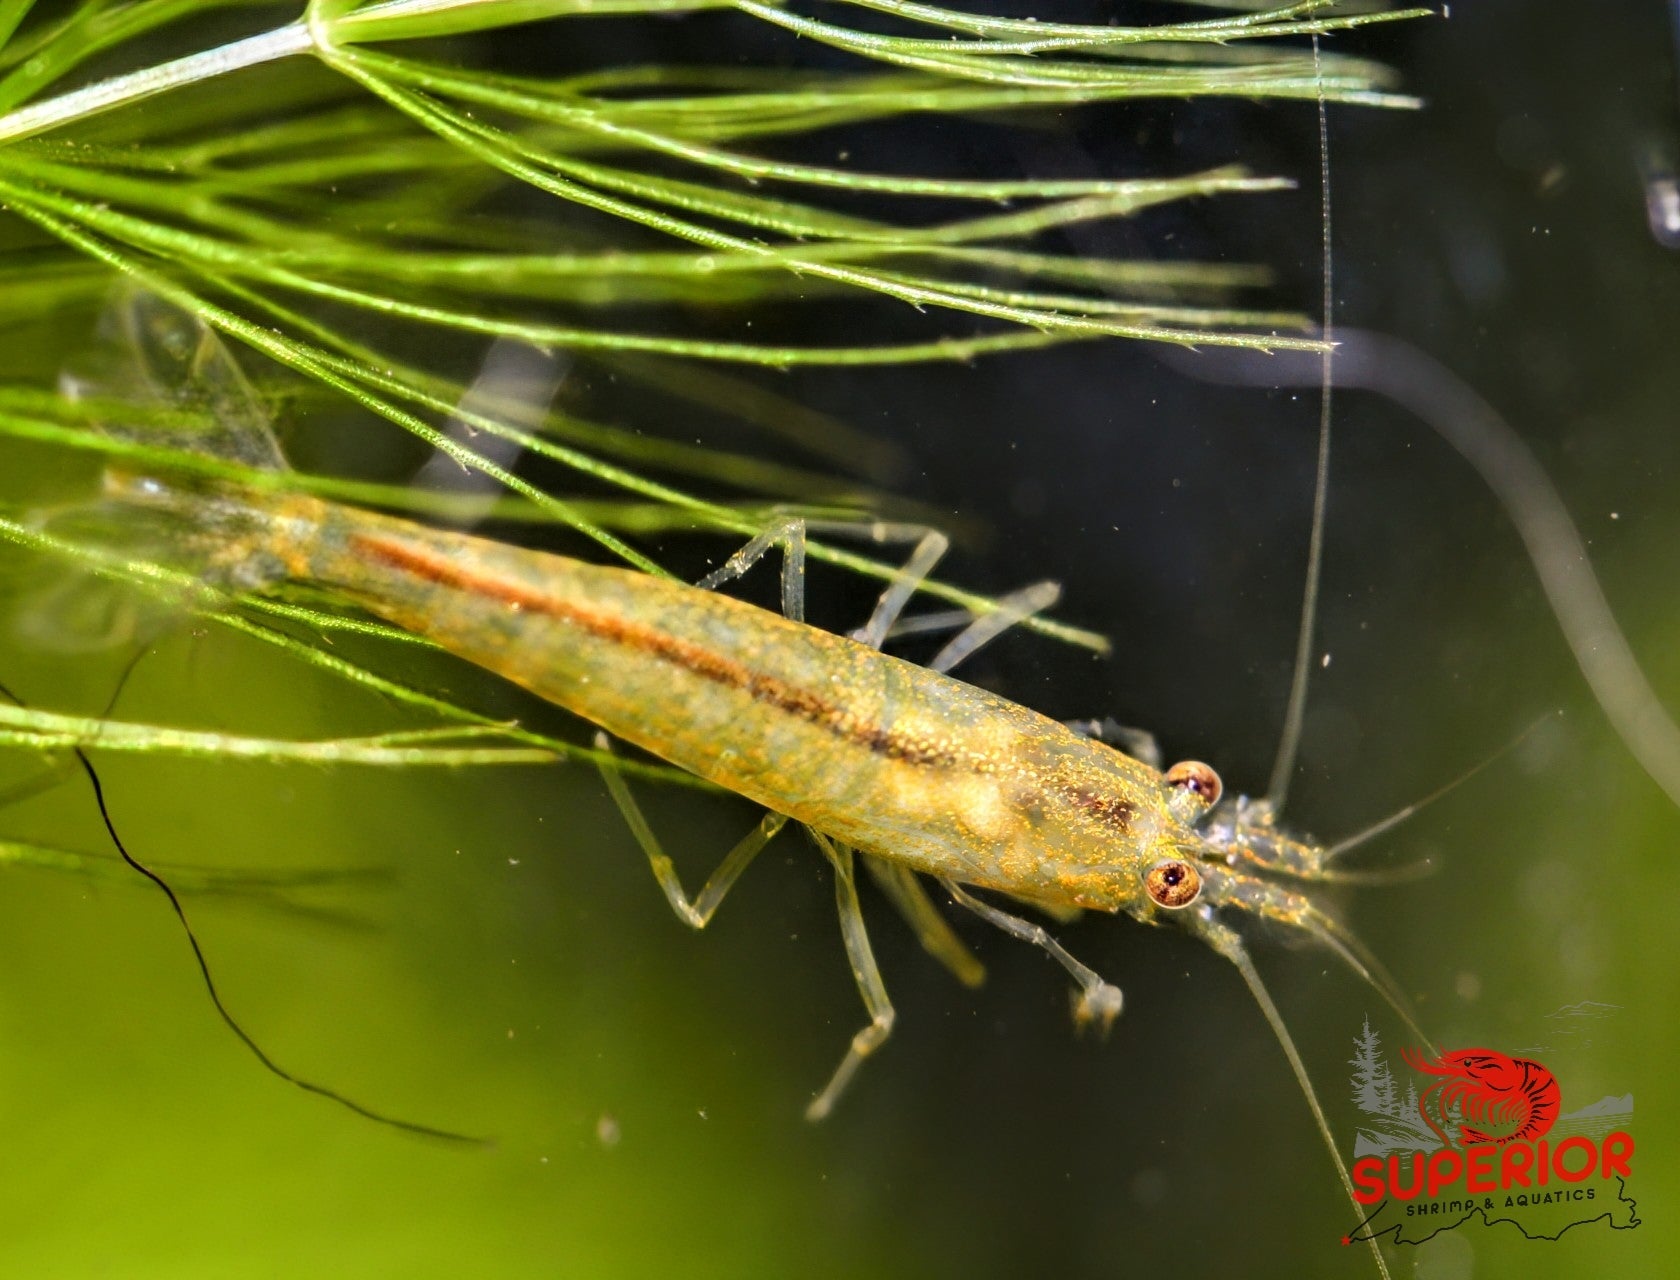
896,760
919,772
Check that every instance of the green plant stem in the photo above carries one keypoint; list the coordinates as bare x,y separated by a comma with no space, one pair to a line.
121,91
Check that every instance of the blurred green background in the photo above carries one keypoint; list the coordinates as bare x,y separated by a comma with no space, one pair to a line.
522,977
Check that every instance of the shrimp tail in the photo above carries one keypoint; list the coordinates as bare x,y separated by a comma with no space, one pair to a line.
188,499
171,385
220,538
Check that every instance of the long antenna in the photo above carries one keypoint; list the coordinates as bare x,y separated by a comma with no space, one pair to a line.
1434,394
1225,941
232,1023
1289,742
1377,828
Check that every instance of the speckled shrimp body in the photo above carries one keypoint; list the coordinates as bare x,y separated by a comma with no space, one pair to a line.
883,755
900,766
902,763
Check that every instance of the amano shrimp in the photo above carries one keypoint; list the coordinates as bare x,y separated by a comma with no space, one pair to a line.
901,767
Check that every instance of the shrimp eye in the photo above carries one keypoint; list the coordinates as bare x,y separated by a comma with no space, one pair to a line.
1173,884
1198,779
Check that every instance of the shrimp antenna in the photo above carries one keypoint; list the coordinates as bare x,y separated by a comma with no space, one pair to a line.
232,1023
1289,741
1358,957
1427,389
1400,815
1223,939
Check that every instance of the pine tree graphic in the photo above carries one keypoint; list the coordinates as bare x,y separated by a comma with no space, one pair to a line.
1374,1090
1409,1111
1391,1109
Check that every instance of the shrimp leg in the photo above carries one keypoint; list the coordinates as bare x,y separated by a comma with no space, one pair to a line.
1014,608
937,938
932,930
864,969
1139,744
928,552
1098,1002
899,884
788,533
696,914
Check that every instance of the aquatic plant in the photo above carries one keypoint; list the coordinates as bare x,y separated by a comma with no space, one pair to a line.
355,190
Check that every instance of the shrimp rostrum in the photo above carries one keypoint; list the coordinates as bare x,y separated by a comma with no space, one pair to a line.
898,767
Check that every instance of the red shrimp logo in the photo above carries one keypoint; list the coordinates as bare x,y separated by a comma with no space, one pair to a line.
1474,1136
1481,1090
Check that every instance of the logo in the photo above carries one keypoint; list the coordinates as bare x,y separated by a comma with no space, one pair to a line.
1476,1136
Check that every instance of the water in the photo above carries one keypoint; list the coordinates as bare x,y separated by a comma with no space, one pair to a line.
644,1085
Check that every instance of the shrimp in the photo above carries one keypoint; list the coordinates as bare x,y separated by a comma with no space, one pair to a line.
901,766
1487,1087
